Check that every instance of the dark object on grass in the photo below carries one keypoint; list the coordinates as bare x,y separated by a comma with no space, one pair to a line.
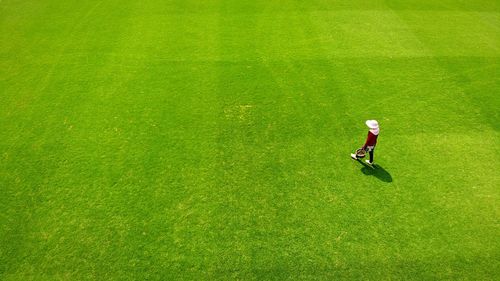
360,153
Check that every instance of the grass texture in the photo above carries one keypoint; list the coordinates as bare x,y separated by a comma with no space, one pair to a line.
210,140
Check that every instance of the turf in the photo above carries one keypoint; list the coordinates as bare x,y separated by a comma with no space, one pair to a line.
191,140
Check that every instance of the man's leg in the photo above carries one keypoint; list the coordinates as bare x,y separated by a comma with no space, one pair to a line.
370,151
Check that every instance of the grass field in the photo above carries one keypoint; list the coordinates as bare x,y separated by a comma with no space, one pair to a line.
210,139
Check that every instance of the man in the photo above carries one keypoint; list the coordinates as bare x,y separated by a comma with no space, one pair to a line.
371,140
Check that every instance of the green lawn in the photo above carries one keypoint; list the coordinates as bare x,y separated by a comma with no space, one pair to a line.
210,139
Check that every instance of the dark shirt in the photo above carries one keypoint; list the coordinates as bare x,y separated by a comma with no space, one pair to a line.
371,140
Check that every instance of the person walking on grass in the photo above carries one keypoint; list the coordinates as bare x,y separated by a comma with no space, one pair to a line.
371,140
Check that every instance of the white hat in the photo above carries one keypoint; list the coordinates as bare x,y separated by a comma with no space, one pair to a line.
372,124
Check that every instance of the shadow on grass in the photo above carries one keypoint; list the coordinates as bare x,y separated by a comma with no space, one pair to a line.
376,170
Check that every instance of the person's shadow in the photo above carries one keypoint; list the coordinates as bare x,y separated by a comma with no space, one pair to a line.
375,170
